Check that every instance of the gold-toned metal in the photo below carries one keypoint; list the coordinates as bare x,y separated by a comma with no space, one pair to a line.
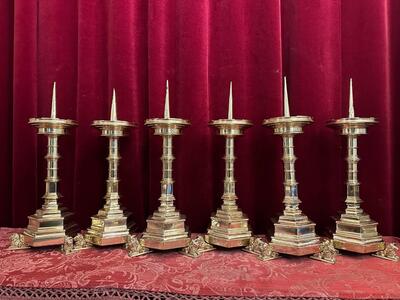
48,226
166,227
389,253
355,231
17,242
109,226
327,252
135,246
197,247
262,249
294,232
229,226
68,246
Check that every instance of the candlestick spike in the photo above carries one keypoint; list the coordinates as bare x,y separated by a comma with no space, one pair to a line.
113,114
166,105
351,101
230,107
53,114
285,99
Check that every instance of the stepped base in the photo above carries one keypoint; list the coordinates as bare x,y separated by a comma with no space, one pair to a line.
49,228
227,242
165,232
358,235
108,229
295,235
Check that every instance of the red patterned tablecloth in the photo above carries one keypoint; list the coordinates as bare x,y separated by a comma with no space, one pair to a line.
109,273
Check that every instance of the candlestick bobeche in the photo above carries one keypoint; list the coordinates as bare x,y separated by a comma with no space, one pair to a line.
356,231
51,223
229,226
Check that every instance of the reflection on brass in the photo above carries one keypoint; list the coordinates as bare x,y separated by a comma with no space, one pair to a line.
197,247
327,252
294,232
48,226
355,231
262,249
109,225
229,226
389,253
73,244
166,227
68,246
135,246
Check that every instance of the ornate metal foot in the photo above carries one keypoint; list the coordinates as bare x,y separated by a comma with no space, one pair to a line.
135,246
328,252
263,250
73,244
197,247
389,253
17,242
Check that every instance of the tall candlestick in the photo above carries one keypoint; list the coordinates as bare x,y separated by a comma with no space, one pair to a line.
166,104
351,103
109,226
286,108
166,227
230,106
51,223
355,230
229,226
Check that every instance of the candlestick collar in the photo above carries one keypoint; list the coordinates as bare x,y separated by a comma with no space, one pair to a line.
288,125
352,126
112,128
54,126
167,126
231,127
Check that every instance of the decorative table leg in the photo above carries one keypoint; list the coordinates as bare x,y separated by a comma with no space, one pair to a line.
197,247
135,246
328,252
389,253
262,249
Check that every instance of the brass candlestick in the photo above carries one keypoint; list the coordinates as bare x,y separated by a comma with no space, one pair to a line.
166,227
229,227
356,231
109,225
294,232
49,225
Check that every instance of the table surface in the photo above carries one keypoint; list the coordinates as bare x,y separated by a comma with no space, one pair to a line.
216,273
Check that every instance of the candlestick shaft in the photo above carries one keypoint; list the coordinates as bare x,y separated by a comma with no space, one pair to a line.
291,199
353,200
113,162
167,192
51,195
229,181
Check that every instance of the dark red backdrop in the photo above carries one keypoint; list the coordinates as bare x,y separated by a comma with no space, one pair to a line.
89,47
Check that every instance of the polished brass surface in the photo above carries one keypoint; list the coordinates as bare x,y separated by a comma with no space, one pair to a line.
327,252
355,231
262,249
389,253
135,246
48,226
229,226
294,232
197,247
109,226
166,227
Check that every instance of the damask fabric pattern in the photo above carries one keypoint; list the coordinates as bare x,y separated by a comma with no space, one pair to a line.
110,272
90,47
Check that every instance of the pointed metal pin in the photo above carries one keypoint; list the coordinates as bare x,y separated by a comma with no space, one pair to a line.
286,108
113,114
230,107
166,105
53,114
351,101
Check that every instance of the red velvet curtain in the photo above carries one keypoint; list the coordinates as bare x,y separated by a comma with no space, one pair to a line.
90,47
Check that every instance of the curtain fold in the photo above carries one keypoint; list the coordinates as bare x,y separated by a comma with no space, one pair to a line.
91,47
